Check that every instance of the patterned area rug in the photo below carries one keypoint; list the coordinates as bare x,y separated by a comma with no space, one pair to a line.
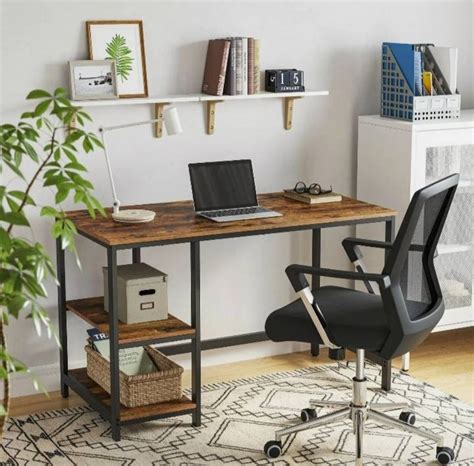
239,417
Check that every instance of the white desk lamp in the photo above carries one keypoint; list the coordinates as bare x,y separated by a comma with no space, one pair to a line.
173,126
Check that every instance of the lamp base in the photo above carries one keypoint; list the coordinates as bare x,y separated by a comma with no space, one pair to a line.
134,216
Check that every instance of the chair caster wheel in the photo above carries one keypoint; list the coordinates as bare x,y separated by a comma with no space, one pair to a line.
272,449
337,354
307,414
408,417
444,455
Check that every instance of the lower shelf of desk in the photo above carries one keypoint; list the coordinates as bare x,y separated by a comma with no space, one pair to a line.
129,415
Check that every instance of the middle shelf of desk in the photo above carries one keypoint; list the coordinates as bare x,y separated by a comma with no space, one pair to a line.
146,333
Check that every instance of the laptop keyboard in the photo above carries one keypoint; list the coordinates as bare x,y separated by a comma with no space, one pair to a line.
239,211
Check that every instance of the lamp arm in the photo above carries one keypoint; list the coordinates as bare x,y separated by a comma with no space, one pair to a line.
109,170
103,129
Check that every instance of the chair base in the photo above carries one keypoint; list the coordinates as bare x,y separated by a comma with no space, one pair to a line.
359,411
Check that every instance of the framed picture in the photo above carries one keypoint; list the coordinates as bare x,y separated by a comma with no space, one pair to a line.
93,79
123,42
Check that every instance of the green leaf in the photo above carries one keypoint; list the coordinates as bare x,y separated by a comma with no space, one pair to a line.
75,166
57,154
14,169
78,197
38,94
15,218
42,107
14,206
118,50
96,140
69,154
30,150
87,145
61,92
73,136
16,304
21,195
62,193
98,206
84,115
5,241
48,211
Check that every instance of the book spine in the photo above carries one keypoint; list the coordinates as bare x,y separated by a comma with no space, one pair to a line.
238,66
205,84
256,67
229,86
245,65
222,74
418,73
251,66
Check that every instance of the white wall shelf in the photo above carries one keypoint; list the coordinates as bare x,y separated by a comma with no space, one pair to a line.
159,102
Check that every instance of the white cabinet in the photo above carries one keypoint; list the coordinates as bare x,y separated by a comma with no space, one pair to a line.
395,158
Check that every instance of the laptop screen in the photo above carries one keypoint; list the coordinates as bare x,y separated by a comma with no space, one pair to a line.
222,185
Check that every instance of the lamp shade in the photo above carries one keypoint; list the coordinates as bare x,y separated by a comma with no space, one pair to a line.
172,121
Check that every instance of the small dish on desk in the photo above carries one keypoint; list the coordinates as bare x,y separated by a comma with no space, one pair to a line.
134,216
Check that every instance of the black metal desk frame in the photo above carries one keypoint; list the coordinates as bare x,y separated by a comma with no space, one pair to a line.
196,346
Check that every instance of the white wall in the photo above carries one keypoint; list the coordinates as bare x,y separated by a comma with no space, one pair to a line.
338,46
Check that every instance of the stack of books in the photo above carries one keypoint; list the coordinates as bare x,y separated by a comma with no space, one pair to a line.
312,198
232,67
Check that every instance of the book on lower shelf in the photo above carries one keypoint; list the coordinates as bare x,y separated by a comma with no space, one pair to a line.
312,198
132,361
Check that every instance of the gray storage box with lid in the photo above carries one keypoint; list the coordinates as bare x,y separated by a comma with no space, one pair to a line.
142,293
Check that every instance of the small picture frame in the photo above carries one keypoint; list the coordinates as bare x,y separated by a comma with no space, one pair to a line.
93,79
122,41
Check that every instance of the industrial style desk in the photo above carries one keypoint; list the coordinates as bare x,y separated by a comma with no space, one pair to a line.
175,222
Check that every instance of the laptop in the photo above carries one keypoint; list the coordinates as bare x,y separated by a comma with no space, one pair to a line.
225,191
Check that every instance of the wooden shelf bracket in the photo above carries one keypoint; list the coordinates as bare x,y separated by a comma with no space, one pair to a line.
211,115
289,101
159,108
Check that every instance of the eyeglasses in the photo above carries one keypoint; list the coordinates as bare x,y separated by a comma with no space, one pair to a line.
313,188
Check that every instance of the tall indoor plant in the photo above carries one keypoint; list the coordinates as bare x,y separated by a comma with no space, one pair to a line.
47,139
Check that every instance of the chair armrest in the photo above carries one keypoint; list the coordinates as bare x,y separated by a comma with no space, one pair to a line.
350,245
296,275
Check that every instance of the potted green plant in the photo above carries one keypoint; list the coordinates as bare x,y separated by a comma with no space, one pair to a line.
49,138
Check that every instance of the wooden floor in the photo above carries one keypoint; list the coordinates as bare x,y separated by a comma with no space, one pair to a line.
445,360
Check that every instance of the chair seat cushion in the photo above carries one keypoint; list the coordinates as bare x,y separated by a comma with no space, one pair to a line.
354,319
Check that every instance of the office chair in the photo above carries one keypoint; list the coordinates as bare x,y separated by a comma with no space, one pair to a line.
389,324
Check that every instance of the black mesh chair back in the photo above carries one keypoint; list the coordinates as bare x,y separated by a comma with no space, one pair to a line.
414,300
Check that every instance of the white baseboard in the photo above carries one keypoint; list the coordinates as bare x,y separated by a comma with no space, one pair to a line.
22,385
48,376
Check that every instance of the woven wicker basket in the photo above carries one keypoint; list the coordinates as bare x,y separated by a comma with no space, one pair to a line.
143,389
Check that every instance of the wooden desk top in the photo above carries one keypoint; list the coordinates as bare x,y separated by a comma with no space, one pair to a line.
175,222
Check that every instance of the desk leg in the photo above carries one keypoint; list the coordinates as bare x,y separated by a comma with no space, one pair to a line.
136,256
62,316
315,279
196,324
114,349
389,233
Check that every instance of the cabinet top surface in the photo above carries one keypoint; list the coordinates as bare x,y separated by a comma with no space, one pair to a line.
176,222
466,120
